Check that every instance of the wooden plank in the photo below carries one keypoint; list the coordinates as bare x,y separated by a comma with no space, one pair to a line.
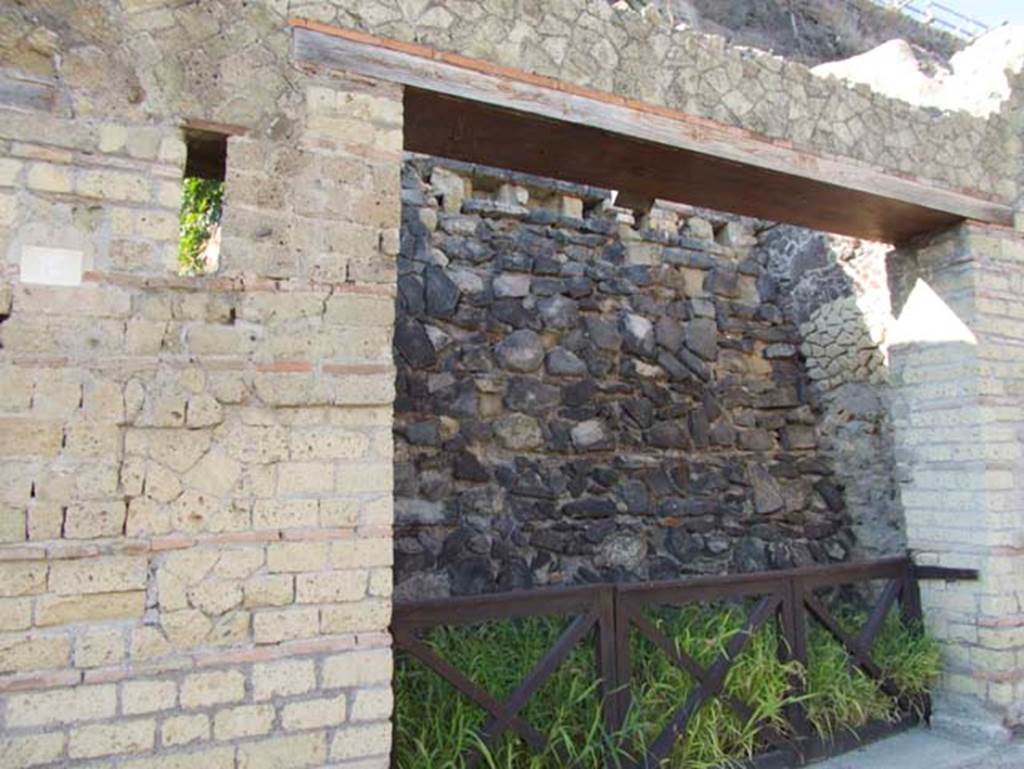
473,132
843,741
678,657
912,615
623,659
773,581
514,604
606,661
860,657
688,665
848,573
866,638
577,599
945,572
685,591
548,664
474,693
472,110
716,674
793,647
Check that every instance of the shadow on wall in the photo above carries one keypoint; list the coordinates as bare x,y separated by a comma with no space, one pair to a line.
836,290
587,393
954,450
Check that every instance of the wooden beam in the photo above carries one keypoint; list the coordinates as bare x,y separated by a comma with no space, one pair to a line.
470,131
945,573
472,110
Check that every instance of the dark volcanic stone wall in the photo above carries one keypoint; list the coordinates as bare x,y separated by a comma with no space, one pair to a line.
583,397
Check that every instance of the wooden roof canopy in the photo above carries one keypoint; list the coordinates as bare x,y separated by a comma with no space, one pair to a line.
471,110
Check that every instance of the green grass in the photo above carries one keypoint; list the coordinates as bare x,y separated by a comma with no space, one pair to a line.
716,734
844,697
435,725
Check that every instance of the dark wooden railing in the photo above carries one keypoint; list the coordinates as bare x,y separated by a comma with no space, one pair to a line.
608,613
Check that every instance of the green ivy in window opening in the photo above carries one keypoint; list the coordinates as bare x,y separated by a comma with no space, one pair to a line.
201,207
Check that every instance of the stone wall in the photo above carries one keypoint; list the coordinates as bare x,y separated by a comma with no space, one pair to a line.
583,396
958,372
196,473
642,56
835,290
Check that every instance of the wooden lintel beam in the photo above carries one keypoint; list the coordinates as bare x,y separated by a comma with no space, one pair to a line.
464,108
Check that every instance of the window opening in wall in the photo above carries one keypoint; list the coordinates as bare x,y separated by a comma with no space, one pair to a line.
202,202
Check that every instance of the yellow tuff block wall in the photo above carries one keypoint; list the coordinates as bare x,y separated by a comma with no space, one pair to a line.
195,472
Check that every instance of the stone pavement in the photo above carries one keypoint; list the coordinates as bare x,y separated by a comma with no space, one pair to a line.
931,749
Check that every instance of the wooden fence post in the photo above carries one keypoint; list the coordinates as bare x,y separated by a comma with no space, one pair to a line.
623,665
794,648
607,661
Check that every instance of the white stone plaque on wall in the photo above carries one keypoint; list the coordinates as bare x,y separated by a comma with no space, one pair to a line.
51,266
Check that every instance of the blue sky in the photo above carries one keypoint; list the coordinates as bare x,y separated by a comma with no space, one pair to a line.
990,11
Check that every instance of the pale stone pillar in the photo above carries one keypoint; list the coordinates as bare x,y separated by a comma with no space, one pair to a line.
957,360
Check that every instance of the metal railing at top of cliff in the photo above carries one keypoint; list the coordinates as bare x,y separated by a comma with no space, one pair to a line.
927,12
936,14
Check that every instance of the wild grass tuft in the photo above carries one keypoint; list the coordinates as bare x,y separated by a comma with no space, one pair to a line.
435,725
716,735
